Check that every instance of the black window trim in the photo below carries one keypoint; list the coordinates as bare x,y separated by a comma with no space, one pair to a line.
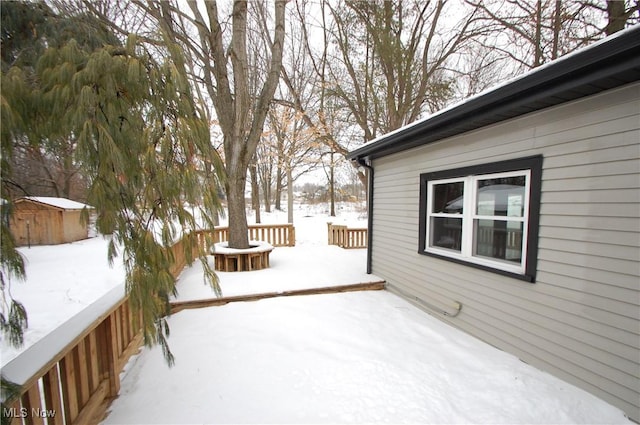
533,163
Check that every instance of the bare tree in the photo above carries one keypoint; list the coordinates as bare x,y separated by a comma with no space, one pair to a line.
379,65
619,14
266,157
240,91
308,62
43,172
392,59
534,32
294,148
240,112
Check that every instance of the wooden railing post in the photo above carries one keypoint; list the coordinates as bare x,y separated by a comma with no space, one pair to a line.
31,401
292,235
69,387
111,356
94,360
52,395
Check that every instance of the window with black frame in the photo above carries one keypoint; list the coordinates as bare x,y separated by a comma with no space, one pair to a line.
485,216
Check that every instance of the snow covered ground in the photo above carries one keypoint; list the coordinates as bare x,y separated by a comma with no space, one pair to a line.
362,357
343,358
61,281
310,264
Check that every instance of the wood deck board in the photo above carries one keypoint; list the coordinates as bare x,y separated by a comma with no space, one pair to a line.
210,302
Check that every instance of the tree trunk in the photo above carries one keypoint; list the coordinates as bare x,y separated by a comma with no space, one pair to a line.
332,187
238,228
266,191
617,16
557,28
255,192
537,61
243,127
278,205
241,105
279,173
289,196
67,175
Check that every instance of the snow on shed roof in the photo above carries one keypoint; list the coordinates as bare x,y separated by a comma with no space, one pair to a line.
612,62
62,203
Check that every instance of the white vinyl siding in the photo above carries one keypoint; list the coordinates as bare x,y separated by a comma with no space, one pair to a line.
581,319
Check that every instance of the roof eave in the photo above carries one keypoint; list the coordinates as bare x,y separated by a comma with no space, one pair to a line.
34,201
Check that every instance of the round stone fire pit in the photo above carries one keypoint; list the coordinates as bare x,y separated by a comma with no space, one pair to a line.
241,260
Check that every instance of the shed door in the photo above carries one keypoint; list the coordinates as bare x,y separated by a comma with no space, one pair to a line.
32,229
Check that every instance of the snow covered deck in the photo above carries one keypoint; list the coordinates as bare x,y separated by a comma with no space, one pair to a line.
356,357
338,358
291,268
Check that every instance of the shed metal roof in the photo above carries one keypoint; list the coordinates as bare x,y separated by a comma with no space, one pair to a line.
610,63
59,203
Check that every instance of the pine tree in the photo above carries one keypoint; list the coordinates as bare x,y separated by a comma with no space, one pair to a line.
142,143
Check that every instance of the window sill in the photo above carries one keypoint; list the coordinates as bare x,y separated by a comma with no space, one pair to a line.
524,277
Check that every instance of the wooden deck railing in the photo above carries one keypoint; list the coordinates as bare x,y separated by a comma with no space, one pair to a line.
76,385
199,240
275,234
346,237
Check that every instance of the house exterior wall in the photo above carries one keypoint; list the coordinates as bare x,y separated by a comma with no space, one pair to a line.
580,319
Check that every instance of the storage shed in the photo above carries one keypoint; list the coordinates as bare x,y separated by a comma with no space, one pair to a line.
515,216
41,220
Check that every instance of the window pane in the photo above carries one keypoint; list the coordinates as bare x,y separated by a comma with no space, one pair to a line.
501,196
448,198
498,239
446,232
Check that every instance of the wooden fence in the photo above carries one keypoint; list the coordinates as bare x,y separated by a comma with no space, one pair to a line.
345,237
199,240
78,383
275,234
